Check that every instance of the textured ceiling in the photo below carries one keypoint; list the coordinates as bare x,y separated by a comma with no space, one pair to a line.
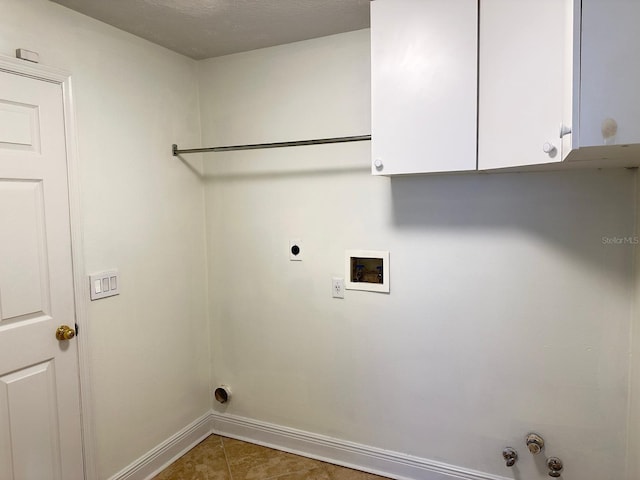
210,28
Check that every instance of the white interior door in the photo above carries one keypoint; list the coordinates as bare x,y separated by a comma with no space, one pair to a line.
40,428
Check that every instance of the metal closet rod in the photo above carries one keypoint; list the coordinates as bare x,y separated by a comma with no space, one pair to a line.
257,146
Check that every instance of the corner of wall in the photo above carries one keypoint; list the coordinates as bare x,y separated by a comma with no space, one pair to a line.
205,214
633,421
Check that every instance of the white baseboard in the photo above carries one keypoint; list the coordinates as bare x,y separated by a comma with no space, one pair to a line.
167,452
340,452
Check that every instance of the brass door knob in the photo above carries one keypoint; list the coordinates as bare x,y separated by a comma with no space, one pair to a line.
64,332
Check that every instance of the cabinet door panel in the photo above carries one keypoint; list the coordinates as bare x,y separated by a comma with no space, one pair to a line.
521,81
610,72
424,85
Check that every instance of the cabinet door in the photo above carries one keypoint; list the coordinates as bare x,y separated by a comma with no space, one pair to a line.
424,85
521,81
610,73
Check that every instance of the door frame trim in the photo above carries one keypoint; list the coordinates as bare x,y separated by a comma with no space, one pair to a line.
80,286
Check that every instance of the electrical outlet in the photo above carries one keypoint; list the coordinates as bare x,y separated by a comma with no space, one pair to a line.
295,250
337,287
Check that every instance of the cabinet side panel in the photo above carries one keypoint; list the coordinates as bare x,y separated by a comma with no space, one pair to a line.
424,85
571,94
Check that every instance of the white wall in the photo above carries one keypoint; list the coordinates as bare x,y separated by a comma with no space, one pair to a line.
507,313
143,213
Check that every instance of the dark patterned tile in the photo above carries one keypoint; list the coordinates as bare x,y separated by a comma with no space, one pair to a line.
314,474
220,458
266,463
206,461
342,473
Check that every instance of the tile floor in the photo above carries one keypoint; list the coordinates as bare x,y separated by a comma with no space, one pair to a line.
221,458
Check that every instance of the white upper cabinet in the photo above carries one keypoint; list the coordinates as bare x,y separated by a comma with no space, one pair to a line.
522,72
549,82
424,85
607,104
558,81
